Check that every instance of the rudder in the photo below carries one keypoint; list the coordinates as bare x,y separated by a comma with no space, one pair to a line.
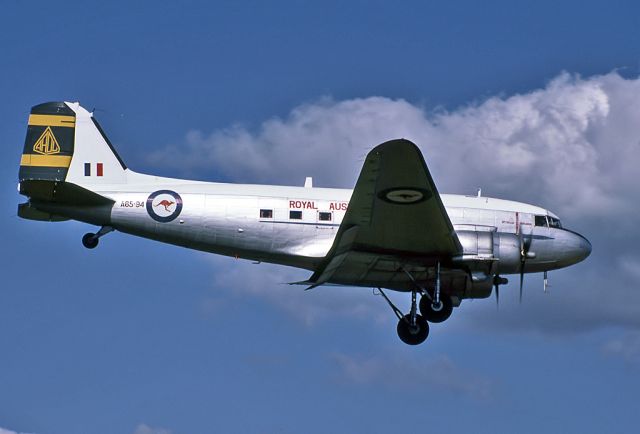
49,145
95,160
65,143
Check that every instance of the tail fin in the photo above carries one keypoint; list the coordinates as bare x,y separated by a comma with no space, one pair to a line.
65,143
49,144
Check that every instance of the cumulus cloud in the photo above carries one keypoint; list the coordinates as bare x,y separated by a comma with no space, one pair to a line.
626,347
631,266
270,282
8,431
398,372
146,429
572,146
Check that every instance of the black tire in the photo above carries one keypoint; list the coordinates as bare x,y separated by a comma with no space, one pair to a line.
90,241
413,335
436,314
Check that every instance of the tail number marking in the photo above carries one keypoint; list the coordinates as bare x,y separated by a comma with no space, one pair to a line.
132,204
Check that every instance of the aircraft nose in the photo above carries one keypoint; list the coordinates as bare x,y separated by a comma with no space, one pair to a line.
575,248
583,248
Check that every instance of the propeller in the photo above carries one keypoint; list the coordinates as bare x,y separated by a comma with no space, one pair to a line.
525,246
497,281
545,282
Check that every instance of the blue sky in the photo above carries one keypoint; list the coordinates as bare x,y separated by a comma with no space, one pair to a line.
533,101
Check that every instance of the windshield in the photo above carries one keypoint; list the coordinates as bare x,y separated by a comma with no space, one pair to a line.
554,222
548,221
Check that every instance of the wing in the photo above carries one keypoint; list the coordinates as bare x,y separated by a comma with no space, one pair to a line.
395,217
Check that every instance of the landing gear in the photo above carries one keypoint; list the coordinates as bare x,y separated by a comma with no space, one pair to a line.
413,328
90,240
436,312
413,335
437,308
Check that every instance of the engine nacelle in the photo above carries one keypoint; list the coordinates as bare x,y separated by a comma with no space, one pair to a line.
477,244
508,253
482,247
481,286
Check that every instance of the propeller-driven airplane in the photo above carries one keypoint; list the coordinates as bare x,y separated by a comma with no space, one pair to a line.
392,231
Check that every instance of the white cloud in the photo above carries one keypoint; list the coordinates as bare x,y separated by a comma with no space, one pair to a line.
8,431
631,266
626,347
140,429
572,146
270,282
396,372
146,429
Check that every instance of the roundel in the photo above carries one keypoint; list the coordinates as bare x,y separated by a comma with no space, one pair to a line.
405,195
164,205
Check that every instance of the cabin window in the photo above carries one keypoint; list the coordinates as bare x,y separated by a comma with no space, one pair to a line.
541,220
295,215
266,213
324,216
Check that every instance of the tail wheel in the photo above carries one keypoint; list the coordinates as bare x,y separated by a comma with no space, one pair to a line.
90,241
436,312
413,335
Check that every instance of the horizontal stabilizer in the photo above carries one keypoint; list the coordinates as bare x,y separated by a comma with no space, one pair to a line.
63,193
29,212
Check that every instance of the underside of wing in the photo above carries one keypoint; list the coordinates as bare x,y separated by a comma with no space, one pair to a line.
395,219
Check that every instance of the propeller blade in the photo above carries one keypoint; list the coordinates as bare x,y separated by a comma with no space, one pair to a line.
525,245
521,279
497,288
523,257
545,282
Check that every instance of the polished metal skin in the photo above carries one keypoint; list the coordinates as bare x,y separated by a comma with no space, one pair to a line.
394,230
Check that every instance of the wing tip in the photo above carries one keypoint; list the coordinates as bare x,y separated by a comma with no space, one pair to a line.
395,144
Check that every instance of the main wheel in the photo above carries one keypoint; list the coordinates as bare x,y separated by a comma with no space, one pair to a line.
90,241
436,313
413,335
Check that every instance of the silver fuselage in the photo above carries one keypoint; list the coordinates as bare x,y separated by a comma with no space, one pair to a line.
226,219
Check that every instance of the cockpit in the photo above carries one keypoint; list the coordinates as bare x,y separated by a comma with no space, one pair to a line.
548,221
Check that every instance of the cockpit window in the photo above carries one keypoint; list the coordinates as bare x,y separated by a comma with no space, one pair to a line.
554,222
548,221
541,220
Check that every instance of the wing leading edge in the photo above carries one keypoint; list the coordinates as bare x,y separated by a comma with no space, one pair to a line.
395,217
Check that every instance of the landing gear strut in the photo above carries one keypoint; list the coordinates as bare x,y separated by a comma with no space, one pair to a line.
90,240
437,308
413,328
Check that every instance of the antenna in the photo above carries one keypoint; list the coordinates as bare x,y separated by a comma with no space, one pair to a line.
308,182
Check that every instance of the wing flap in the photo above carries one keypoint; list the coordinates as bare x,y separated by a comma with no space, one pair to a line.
342,248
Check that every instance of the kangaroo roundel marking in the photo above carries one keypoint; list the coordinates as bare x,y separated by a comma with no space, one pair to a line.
164,205
405,195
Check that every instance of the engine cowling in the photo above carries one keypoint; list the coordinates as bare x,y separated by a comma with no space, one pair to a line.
480,248
508,253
